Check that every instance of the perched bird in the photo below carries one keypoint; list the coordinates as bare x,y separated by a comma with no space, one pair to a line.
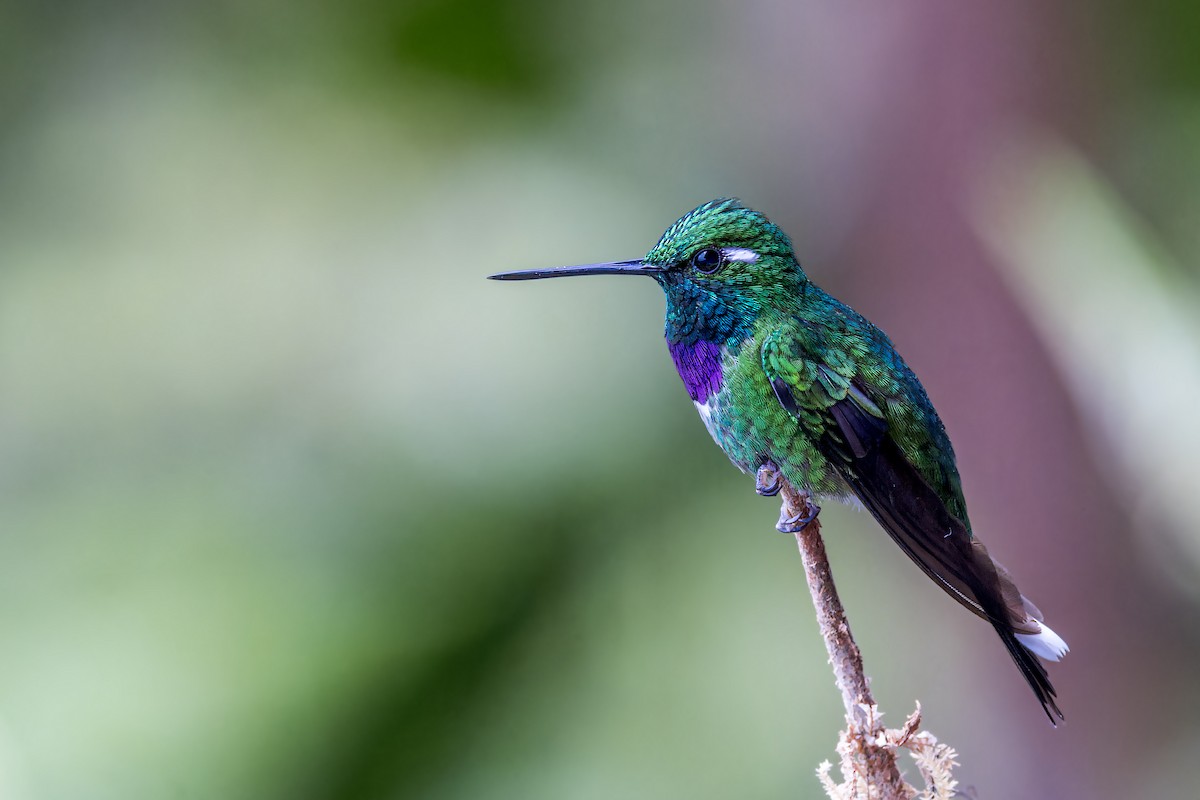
793,384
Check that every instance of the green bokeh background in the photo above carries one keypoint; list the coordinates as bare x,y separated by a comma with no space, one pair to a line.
294,504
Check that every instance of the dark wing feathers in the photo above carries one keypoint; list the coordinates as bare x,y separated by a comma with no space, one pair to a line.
861,430
785,396
917,519
902,501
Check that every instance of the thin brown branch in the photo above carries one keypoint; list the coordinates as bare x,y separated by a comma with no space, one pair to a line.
864,749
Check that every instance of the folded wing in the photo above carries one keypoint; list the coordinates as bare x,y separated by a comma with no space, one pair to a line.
856,439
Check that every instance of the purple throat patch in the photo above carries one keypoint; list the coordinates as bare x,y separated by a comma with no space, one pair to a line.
699,365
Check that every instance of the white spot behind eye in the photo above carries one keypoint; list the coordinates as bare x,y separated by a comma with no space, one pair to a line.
739,254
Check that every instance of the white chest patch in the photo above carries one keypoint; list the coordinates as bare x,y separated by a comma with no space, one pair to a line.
706,414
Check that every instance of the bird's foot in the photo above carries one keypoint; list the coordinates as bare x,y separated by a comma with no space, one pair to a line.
768,481
794,523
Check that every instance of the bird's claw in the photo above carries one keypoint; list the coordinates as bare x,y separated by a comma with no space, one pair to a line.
798,522
767,481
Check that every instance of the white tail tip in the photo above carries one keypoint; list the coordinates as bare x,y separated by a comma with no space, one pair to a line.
1045,643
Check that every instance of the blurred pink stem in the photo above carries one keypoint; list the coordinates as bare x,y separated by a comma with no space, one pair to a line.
865,732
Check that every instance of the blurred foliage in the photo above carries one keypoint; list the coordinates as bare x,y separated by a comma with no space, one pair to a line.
1153,49
295,504
485,43
1073,245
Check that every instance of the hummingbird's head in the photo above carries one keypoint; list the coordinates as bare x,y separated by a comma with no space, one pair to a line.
721,265
749,248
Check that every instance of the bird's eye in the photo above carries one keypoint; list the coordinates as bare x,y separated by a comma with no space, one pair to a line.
708,260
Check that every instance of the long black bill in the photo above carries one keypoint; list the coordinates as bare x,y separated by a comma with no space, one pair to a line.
612,268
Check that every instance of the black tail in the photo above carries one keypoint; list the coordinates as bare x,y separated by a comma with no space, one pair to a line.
1034,672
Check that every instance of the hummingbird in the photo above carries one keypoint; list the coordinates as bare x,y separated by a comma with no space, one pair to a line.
796,386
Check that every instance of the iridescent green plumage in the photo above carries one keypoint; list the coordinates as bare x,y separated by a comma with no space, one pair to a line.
792,381
825,353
